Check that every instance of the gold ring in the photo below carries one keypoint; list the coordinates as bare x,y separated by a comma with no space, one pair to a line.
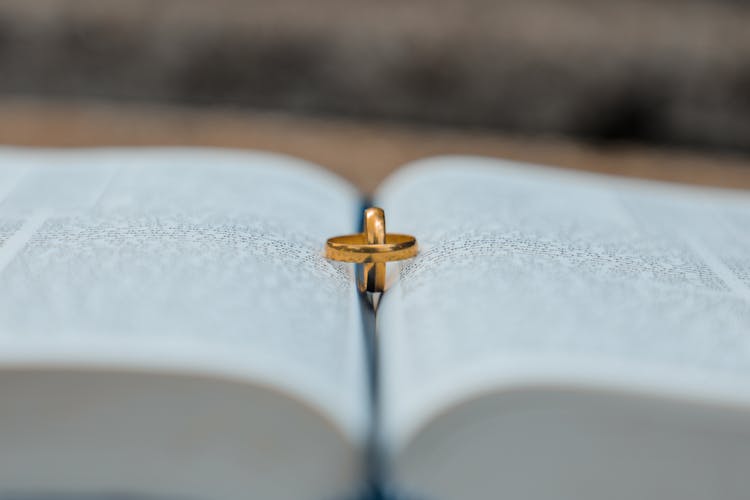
372,248
354,248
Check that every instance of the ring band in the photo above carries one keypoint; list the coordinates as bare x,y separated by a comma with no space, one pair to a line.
354,248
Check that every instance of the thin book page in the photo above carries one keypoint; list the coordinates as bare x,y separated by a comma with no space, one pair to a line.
181,259
530,275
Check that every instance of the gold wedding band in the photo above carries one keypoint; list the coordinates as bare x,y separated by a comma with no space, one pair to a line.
372,248
354,248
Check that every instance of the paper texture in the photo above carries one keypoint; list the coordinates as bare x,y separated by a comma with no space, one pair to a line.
530,272
177,258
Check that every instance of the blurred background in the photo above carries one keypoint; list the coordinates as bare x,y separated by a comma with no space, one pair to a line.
657,88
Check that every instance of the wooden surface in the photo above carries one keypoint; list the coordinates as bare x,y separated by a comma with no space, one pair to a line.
364,153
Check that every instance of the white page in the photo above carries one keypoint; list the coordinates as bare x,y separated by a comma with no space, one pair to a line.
532,275
181,259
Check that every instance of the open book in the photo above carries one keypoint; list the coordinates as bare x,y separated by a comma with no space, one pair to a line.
169,328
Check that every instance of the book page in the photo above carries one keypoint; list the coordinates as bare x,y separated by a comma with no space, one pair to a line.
529,274
182,259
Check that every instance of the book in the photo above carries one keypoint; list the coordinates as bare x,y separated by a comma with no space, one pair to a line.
170,328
